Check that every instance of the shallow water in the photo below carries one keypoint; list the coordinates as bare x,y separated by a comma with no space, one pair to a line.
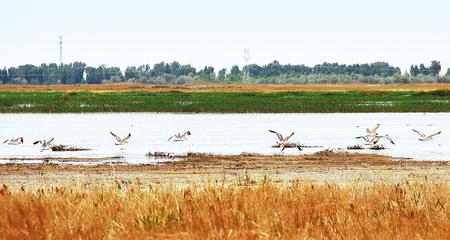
220,133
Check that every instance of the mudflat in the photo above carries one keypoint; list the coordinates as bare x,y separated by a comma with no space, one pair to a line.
340,168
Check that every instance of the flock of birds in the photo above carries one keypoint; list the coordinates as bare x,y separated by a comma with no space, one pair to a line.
47,144
370,138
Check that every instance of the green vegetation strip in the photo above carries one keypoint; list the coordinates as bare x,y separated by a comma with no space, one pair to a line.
225,102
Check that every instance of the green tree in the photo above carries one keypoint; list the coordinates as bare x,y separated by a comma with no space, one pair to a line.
207,73
235,74
222,74
272,69
4,76
423,70
254,70
414,70
435,68
91,76
175,68
130,72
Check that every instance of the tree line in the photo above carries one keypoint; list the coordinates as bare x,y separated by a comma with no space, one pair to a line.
176,73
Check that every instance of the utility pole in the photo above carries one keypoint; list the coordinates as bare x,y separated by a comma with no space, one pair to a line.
60,50
246,72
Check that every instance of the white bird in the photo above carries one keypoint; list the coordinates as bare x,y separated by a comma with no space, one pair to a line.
121,141
46,144
425,137
283,142
14,141
280,136
180,137
374,129
377,138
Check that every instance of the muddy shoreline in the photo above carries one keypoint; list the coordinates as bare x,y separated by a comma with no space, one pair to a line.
200,170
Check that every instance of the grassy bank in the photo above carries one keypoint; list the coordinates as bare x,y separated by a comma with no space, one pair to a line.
261,211
351,101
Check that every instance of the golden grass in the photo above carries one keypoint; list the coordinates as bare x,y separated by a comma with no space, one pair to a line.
237,87
418,210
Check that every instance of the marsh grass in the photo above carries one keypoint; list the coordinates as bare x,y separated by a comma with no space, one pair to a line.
65,148
419,210
377,147
355,147
351,101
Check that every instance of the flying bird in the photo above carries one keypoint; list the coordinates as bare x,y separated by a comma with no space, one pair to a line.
121,141
377,138
280,136
425,137
283,141
14,141
180,137
45,144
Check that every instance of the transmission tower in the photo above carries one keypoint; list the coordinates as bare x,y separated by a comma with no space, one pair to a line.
60,50
246,72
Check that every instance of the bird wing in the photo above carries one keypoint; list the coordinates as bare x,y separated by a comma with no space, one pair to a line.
50,141
126,138
287,138
36,142
170,138
363,137
420,133
279,135
117,137
375,139
434,134
389,138
374,129
6,140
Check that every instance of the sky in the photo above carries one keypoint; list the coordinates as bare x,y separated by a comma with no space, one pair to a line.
215,33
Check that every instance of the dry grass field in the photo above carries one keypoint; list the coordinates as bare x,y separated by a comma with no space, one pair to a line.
203,87
417,210
320,196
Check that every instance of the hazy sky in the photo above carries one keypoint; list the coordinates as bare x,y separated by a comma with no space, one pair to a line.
202,32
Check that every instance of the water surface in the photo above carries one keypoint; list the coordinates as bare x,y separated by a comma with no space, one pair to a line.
220,133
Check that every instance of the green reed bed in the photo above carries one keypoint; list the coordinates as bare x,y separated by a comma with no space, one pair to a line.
225,102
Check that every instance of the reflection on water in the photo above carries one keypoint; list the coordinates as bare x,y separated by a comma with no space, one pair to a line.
220,133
